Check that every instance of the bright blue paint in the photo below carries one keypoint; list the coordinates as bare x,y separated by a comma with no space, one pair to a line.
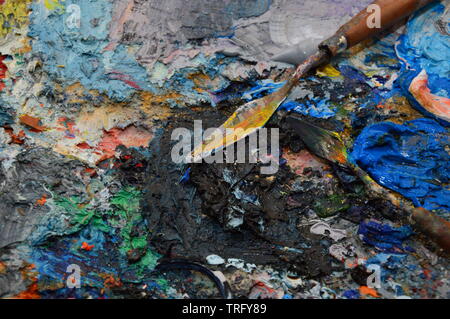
186,176
351,294
383,236
410,159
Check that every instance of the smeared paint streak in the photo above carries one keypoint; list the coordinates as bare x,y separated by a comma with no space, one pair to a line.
410,159
390,263
315,108
3,70
262,88
13,15
424,49
437,105
186,176
129,137
328,70
53,4
32,122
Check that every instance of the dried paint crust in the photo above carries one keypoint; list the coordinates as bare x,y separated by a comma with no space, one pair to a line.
87,107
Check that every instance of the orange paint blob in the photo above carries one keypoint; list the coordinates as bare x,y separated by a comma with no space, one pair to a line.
437,105
86,246
15,138
364,290
42,200
32,122
32,292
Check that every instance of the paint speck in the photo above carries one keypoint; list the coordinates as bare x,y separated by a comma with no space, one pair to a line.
86,246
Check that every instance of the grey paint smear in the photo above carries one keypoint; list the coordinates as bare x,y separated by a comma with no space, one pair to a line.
253,29
23,182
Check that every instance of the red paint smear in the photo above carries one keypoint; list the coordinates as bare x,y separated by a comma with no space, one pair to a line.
86,246
90,171
435,104
114,75
131,136
111,282
84,146
3,69
15,138
32,292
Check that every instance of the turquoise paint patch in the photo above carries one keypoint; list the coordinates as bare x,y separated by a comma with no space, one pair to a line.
76,54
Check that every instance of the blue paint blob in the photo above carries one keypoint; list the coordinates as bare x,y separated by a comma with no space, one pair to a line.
423,47
315,108
186,176
351,72
383,236
351,294
410,159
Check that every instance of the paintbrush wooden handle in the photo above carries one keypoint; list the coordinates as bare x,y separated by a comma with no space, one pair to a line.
367,24
436,228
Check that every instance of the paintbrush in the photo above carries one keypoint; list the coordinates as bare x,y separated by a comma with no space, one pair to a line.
253,115
329,146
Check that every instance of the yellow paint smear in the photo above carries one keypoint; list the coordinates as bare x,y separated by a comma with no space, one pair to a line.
328,70
13,15
53,4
